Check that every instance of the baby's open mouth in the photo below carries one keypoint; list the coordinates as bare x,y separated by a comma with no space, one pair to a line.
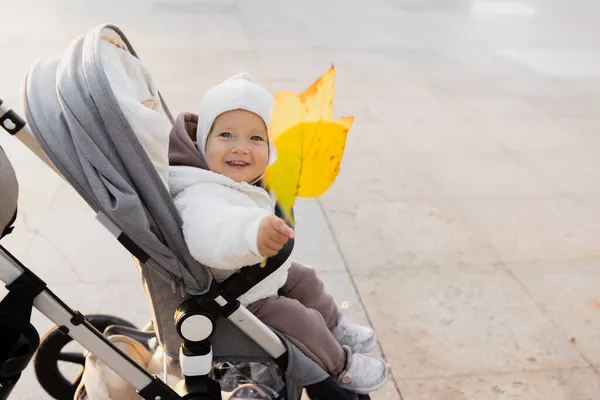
235,163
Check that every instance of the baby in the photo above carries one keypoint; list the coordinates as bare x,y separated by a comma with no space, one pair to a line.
229,223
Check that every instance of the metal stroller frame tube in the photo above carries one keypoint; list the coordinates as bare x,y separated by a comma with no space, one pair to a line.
257,331
74,324
69,321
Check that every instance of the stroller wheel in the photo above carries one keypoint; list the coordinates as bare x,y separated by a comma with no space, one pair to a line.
49,354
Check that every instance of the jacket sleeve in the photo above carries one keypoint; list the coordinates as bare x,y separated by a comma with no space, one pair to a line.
218,234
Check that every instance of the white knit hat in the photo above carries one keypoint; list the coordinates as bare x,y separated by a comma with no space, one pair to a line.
240,92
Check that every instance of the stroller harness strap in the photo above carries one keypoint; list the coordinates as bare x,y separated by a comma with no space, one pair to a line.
248,277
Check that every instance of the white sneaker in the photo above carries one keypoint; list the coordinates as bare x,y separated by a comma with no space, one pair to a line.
360,339
363,374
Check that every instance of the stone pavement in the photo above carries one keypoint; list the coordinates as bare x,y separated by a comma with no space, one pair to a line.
464,223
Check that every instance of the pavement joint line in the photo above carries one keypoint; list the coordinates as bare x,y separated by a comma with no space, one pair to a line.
544,312
353,281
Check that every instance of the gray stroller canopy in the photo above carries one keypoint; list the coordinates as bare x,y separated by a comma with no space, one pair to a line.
76,111
9,193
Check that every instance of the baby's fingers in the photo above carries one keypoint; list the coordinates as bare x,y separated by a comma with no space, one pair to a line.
268,250
281,227
278,238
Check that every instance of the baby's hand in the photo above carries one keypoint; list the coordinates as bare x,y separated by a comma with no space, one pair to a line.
273,233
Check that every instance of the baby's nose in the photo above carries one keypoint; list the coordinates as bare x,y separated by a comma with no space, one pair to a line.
240,150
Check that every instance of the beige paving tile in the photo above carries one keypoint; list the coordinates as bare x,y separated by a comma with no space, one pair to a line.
440,135
391,234
540,132
398,113
38,184
340,286
568,293
545,385
380,179
588,205
292,64
526,228
558,62
576,105
367,175
448,321
86,247
388,392
490,63
49,261
315,244
19,241
574,171
494,105
486,174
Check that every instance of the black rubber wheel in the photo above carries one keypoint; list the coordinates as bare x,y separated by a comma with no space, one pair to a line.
50,352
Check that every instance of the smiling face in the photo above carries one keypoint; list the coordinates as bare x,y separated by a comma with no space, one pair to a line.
237,146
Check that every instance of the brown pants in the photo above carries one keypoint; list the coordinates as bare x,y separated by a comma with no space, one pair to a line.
305,315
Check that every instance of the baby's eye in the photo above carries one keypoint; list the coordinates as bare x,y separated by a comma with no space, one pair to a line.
257,138
225,134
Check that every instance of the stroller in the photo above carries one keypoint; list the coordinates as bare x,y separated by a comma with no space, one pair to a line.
84,119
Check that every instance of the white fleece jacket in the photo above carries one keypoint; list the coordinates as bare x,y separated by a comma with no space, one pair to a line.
221,218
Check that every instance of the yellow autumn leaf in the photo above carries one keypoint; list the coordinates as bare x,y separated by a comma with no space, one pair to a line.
310,144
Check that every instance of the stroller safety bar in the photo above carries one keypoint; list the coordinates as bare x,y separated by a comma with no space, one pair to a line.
259,332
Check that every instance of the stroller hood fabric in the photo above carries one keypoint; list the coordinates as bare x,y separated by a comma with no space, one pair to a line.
78,107
9,193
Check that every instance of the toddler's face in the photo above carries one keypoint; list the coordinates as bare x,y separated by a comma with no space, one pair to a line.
237,146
